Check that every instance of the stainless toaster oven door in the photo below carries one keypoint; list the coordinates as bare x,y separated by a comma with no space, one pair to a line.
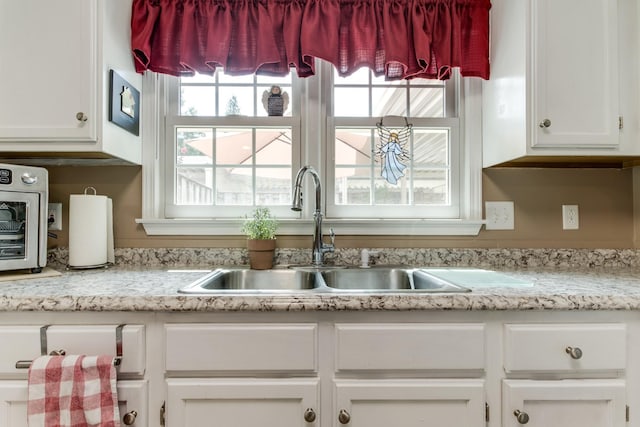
19,225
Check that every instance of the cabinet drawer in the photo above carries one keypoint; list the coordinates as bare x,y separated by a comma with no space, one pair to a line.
23,343
548,347
241,347
410,347
132,397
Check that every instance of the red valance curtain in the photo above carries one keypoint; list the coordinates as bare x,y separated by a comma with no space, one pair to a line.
400,39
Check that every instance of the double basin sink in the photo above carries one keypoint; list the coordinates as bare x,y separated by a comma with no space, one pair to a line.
305,280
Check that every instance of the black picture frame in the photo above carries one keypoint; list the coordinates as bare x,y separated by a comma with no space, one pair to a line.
126,116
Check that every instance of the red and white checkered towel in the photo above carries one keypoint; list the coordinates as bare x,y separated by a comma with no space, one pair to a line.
73,391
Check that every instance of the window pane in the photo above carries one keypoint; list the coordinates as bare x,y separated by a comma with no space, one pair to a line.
226,78
431,186
389,101
389,194
194,186
198,101
273,147
359,77
236,100
426,102
234,146
194,146
272,80
199,78
353,186
351,102
273,186
431,147
353,147
234,186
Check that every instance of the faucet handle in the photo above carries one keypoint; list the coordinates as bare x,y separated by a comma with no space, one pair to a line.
332,236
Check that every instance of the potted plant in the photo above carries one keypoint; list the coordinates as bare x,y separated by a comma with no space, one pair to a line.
260,230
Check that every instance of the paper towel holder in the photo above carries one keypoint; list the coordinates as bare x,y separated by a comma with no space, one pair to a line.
91,191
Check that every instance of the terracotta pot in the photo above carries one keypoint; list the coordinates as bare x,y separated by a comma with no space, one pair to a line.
261,253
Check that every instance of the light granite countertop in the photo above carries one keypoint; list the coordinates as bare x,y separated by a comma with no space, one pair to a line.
155,288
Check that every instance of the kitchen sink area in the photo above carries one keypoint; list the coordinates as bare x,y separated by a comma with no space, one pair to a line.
326,279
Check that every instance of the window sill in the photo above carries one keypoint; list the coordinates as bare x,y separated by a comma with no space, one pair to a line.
231,227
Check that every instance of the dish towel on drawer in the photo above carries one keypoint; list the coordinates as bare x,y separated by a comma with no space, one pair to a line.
73,391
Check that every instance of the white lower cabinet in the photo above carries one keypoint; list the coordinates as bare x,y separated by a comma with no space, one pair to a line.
409,403
587,363
562,403
347,369
203,402
21,343
132,402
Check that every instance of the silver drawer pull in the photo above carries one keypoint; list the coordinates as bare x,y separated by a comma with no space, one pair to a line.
309,415
344,417
129,418
521,417
574,352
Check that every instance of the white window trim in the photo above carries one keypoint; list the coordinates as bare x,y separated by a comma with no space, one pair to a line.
155,223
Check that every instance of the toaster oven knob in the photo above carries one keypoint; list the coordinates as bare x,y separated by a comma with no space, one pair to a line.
29,179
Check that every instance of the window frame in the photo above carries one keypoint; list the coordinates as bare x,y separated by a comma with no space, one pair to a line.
314,124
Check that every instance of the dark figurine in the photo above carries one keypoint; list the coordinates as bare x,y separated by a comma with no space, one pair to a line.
275,101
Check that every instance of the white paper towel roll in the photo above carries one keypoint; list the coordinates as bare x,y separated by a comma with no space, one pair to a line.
90,230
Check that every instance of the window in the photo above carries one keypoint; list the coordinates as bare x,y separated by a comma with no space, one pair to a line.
366,173
223,151
222,154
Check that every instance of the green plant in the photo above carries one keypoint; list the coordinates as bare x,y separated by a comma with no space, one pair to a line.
261,225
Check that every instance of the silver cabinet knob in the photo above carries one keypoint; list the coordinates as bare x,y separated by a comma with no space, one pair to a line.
545,123
574,352
129,418
344,417
309,415
522,417
82,117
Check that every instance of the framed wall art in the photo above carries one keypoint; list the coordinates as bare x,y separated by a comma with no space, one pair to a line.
124,103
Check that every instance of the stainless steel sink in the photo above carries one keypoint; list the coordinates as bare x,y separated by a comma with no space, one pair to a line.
242,280
339,280
370,279
388,280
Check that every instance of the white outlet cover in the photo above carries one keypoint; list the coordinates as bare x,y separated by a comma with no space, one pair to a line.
499,216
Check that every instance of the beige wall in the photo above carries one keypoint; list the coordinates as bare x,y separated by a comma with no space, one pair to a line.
605,198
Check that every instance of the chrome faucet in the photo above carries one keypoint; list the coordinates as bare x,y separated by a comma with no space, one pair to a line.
319,247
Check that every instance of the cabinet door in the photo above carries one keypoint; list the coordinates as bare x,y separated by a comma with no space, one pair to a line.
132,400
242,402
48,70
409,403
584,403
575,73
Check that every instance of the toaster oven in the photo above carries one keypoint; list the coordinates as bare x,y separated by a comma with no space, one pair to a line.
24,201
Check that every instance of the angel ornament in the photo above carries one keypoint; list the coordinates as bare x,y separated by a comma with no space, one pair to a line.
392,151
275,101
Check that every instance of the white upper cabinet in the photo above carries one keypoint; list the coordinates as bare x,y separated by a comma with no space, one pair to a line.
562,81
54,78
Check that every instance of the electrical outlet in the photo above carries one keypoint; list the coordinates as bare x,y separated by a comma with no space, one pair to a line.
570,217
54,216
499,215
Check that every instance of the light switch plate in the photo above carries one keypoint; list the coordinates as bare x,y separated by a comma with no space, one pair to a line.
54,216
499,216
570,217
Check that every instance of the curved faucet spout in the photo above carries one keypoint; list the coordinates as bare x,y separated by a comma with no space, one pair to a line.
319,248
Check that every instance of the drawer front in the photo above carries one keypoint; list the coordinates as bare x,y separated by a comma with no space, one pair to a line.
565,347
401,347
132,400
23,343
241,347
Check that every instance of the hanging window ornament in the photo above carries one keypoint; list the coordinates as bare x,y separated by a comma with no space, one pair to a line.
392,150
